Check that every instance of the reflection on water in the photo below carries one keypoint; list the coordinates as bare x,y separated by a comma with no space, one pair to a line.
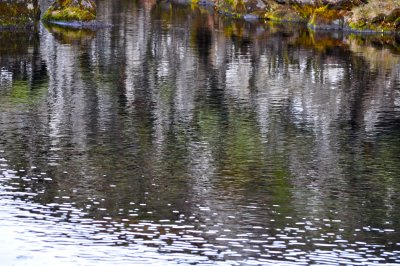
177,137
72,36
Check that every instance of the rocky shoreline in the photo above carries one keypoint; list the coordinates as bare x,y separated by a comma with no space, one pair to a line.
360,16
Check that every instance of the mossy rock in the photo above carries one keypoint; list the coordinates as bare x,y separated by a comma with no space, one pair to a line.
71,10
285,13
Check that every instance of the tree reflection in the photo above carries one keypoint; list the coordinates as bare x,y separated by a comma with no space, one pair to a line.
181,107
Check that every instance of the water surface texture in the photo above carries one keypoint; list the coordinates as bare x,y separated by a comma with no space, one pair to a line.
181,137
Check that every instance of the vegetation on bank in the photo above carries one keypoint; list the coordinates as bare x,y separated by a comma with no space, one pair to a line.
348,15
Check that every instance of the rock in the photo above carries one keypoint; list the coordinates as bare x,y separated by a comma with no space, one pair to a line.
251,17
378,19
333,4
394,15
23,13
253,5
206,3
285,13
71,10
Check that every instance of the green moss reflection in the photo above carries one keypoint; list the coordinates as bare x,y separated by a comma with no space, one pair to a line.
67,35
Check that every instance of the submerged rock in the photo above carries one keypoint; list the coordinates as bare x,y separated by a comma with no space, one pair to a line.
71,10
22,13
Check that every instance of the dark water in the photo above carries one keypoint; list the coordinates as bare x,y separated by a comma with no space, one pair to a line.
181,137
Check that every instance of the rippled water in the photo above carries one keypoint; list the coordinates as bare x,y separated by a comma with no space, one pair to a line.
181,137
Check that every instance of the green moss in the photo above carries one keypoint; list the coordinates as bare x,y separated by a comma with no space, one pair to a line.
358,25
69,14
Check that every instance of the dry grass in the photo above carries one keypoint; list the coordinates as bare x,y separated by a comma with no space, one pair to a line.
374,8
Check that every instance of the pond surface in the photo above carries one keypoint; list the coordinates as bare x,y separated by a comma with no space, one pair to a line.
181,137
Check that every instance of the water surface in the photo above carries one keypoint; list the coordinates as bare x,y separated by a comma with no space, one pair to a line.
181,137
